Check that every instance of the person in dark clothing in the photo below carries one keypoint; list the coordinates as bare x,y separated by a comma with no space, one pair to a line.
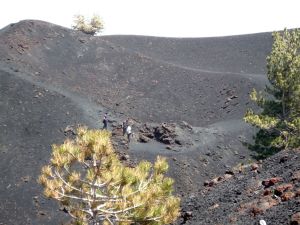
124,126
105,121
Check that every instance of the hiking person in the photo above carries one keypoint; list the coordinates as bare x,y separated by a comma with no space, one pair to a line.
262,222
105,121
129,133
124,125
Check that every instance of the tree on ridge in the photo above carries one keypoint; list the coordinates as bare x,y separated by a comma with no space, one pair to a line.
94,26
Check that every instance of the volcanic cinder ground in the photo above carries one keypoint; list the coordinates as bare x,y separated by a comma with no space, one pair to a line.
53,78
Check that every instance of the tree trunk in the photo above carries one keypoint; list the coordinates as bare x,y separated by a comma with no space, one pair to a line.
283,106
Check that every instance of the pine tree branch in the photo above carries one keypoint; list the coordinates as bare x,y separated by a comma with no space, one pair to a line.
120,211
100,185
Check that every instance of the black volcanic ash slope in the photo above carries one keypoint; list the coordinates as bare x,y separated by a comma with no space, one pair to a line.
130,82
32,118
241,54
51,77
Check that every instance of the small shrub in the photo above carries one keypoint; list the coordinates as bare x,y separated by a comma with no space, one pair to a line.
95,25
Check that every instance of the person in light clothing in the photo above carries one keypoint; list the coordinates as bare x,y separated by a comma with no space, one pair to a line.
128,132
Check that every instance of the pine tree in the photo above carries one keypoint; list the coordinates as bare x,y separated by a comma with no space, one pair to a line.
279,121
87,178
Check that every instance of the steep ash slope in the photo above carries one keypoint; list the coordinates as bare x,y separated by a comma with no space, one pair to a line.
52,77
32,118
122,80
245,54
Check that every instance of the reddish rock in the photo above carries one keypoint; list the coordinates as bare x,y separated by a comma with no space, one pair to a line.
276,179
287,196
270,182
267,192
283,187
295,220
213,181
256,210
267,203
260,206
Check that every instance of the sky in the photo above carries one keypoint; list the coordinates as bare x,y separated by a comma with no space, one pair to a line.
165,18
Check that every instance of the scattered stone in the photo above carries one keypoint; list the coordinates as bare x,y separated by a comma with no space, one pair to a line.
214,206
283,159
41,213
210,183
169,147
295,220
229,172
177,141
185,124
63,209
187,215
296,176
25,179
213,182
124,157
167,140
70,130
297,192
233,219
227,176
270,182
287,196
260,206
267,192
282,188
254,166
143,139
165,133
